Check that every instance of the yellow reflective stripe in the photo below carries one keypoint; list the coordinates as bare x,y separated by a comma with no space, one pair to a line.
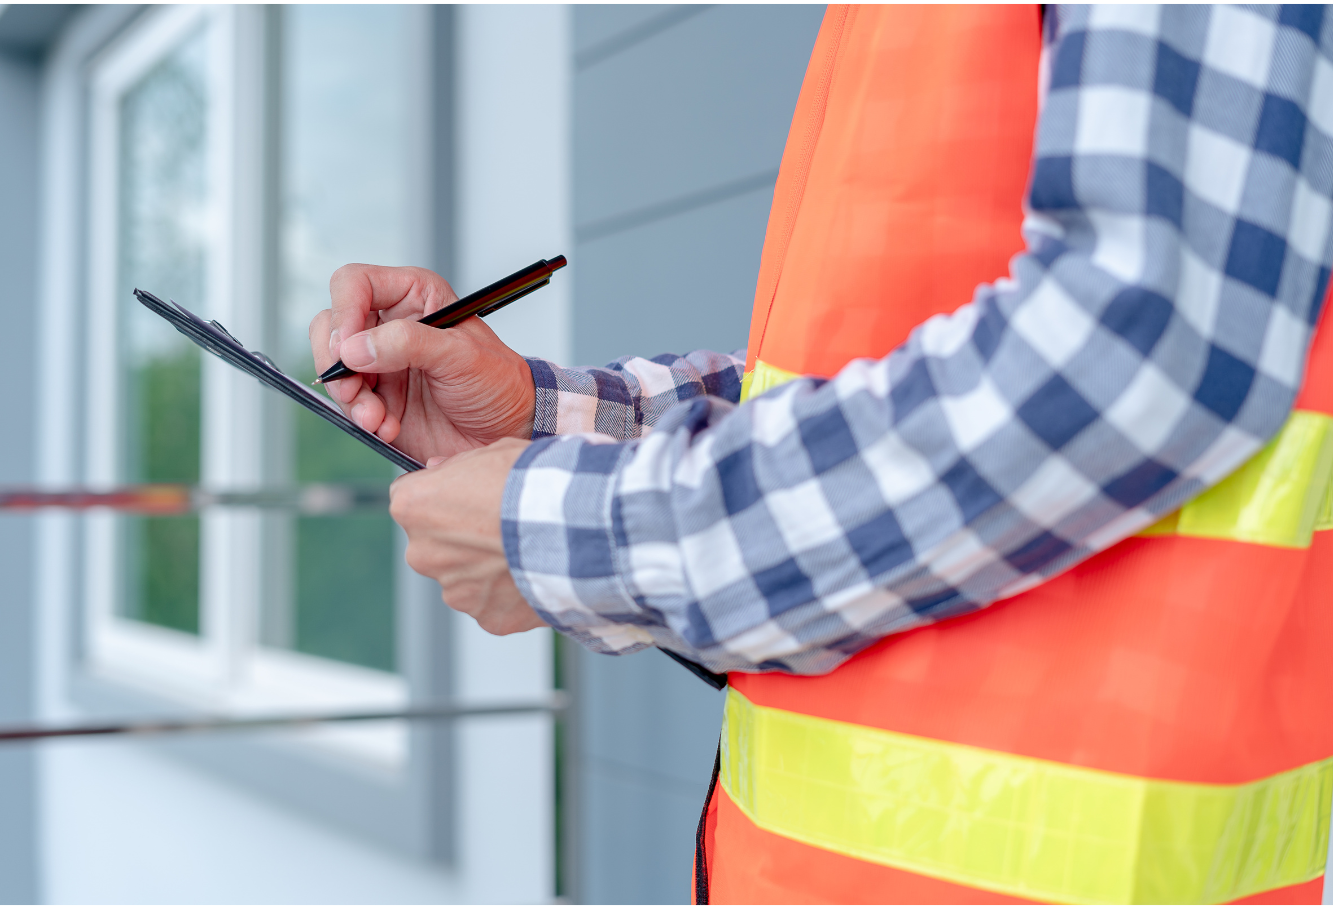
1279,497
1017,825
763,378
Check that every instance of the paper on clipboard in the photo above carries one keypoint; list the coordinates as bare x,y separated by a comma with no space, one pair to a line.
213,337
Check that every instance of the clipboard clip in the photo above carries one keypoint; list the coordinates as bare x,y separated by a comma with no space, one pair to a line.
253,352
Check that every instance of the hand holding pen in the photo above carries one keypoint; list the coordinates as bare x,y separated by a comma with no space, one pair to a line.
485,301
430,392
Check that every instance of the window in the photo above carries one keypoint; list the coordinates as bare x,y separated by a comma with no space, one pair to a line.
157,134
256,209
163,219
231,608
346,171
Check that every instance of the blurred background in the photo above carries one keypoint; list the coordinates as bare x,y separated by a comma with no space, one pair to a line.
232,158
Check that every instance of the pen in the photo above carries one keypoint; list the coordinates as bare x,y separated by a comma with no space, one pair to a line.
483,302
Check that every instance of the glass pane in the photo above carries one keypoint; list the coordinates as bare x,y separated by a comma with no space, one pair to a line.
162,247
345,191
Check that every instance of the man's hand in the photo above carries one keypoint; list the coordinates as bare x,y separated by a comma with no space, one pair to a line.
429,392
451,513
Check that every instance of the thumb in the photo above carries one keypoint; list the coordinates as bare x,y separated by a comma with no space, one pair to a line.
399,345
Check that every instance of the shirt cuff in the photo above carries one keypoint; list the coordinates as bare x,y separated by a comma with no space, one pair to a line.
576,401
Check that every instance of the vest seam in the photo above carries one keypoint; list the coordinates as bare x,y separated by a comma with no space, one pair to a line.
809,143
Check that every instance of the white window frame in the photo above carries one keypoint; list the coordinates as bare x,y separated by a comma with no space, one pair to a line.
476,798
224,668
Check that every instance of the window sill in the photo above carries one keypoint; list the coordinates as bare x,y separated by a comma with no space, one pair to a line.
384,782
272,682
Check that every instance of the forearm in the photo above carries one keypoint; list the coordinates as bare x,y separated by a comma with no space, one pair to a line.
628,396
1149,341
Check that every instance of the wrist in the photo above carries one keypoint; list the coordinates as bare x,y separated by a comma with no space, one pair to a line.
526,409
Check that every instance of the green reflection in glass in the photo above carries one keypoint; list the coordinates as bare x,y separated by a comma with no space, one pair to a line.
162,246
165,549
344,564
346,195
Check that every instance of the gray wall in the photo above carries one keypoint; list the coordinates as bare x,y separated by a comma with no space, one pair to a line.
19,91
680,116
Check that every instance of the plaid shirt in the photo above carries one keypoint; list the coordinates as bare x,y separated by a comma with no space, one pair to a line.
1148,342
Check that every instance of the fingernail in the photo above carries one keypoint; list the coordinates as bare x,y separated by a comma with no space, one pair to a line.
357,411
358,351
434,461
335,337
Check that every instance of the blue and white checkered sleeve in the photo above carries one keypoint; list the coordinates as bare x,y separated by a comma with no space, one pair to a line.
629,396
1149,341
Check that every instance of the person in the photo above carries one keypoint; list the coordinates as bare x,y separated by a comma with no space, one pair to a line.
1034,324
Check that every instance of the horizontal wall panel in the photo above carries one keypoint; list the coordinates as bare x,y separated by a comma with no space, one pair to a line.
650,859
20,157
653,714
597,25
651,731
680,117
674,285
703,103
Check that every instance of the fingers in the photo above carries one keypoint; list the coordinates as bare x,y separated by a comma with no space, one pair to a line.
356,290
389,427
451,514
399,345
354,394
320,326
322,350
367,408
362,295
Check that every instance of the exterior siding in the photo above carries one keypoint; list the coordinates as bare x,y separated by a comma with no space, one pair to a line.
19,93
677,140
680,116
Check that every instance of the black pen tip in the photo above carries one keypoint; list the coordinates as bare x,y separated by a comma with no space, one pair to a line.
557,262
337,372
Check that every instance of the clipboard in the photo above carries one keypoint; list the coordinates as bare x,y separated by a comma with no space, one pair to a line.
212,336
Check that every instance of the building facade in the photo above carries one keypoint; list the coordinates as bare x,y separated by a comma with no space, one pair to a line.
231,158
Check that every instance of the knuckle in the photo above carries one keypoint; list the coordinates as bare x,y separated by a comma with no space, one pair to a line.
396,334
344,273
457,598
496,624
400,507
349,287
348,390
436,291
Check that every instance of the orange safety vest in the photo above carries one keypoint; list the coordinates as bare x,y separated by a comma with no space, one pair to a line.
1154,725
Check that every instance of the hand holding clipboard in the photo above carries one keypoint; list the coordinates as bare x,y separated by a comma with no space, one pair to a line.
213,337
